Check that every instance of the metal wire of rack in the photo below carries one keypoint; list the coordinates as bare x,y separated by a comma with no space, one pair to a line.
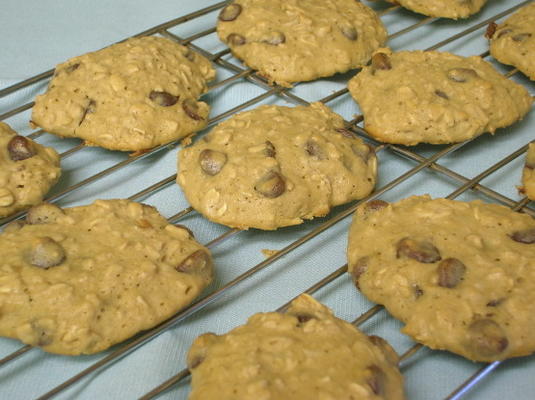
422,161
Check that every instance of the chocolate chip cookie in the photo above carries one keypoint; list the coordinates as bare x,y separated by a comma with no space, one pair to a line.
27,171
78,280
300,40
275,166
304,353
460,275
442,8
513,42
528,174
412,97
131,96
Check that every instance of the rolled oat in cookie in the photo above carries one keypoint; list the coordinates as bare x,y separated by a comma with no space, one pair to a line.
275,166
78,280
131,96
528,173
411,97
304,353
300,40
442,8
513,41
459,275
27,171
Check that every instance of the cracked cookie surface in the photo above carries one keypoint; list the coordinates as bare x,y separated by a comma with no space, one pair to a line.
27,171
513,42
78,280
460,275
304,353
275,166
442,8
300,40
412,97
131,96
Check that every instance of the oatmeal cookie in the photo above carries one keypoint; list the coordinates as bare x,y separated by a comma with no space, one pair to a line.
78,280
275,166
305,353
131,96
459,275
300,40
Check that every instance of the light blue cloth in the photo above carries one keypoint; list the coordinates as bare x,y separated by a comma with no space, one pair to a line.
35,35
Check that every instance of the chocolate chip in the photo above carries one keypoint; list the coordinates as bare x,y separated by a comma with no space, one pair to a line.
526,236
417,290
72,68
491,29
376,379
230,12
349,32
190,55
20,148
461,75
272,185
360,267
163,99
275,38
270,150
381,61
372,206
44,213
487,338
191,109
46,253
89,109
302,318
235,39
196,263
521,37
450,272
387,350
212,161
495,302
440,93
419,250
314,150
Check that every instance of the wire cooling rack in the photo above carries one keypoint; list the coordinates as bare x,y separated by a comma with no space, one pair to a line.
310,257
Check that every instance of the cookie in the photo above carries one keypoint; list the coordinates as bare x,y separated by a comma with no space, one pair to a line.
27,171
459,275
528,174
513,42
305,353
131,96
275,166
412,97
442,8
300,40
78,280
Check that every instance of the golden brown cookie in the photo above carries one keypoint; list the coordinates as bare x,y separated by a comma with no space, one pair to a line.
131,96
305,353
275,166
460,275
300,40
513,42
27,171
442,8
411,97
78,280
